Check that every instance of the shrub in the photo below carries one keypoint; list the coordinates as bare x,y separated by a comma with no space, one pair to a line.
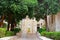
2,32
41,30
57,35
52,35
9,33
16,30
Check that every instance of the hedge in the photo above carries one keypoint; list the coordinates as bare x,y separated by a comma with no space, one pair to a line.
2,32
41,30
52,35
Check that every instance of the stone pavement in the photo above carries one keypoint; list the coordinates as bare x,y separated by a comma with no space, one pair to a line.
45,38
8,38
26,37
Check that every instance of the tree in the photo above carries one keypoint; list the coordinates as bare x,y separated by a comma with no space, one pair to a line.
47,7
11,9
22,8
15,10
3,6
31,6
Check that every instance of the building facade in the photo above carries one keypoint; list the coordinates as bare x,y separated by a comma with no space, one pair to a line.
53,22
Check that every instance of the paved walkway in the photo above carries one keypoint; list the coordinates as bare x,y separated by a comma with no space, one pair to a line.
26,37
44,38
7,38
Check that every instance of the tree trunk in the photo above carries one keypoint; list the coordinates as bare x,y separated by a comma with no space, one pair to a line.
8,26
1,20
12,24
9,21
47,29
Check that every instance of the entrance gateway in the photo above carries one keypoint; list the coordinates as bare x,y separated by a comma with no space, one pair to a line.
28,26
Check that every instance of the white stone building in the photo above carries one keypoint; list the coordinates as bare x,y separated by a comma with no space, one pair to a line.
41,23
28,25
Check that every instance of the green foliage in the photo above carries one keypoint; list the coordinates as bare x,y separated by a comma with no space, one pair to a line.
52,35
41,30
3,6
12,33
16,30
30,3
46,7
20,8
17,8
9,33
31,6
2,32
